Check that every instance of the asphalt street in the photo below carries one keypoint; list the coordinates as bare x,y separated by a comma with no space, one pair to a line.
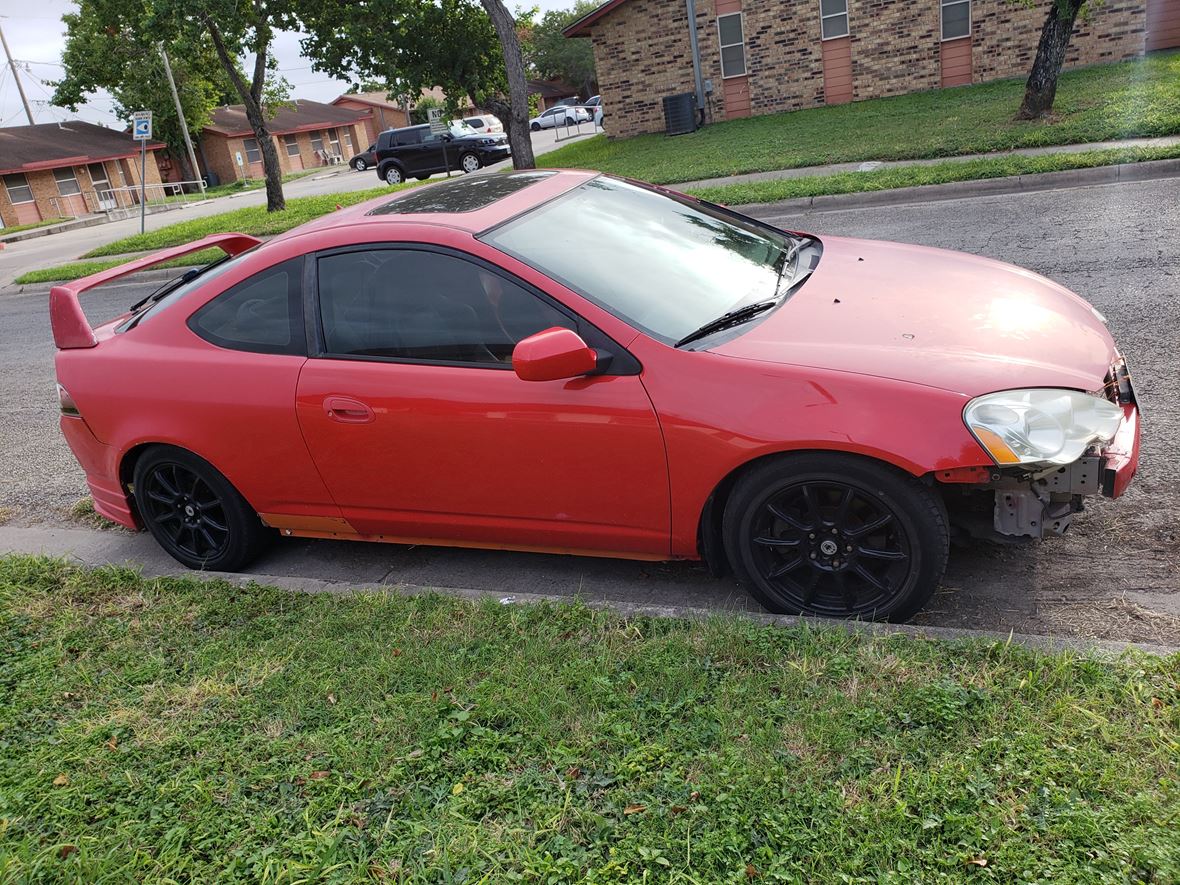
1114,576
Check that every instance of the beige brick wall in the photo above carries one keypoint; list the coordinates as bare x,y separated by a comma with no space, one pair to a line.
642,51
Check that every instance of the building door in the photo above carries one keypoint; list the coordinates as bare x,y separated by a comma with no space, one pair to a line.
102,187
1163,24
735,84
836,50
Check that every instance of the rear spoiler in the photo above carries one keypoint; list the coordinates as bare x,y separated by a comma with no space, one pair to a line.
70,327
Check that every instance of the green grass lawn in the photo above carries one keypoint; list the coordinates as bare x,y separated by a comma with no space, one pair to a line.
1136,98
176,730
19,227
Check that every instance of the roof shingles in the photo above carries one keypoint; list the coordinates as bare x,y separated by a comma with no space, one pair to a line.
296,116
50,145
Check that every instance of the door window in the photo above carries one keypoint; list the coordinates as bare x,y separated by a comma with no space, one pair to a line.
409,304
833,15
261,314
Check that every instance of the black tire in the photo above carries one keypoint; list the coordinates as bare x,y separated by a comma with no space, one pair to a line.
194,512
536,127
359,164
836,536
570,121
393,174
475,162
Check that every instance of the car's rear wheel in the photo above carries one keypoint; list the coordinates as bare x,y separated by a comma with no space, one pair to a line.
394,175
359,164
194,512
470,163
836,536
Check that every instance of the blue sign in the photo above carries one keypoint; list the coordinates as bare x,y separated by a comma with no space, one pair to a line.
141,125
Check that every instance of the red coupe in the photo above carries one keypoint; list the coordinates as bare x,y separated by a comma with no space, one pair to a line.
432,367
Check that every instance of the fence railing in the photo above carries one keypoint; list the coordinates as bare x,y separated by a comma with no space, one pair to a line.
119,202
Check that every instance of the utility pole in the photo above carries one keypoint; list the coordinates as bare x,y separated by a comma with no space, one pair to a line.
19,88
188,142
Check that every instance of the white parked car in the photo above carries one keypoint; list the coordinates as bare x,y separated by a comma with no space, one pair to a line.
484,123
562,115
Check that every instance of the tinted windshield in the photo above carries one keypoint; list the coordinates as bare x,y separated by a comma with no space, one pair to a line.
665,266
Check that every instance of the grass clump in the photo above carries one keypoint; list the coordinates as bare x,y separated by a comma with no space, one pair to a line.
45,222
1124,100
179,730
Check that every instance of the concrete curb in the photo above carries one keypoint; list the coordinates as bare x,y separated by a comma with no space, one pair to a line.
958,190
94,548
46,230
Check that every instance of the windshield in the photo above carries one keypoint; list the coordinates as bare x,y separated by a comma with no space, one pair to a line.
665,266
459,129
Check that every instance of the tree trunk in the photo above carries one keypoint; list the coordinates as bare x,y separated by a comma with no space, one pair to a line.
251,95
517,122
1041,88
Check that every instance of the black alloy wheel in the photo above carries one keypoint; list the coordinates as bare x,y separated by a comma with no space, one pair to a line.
194,513
836,536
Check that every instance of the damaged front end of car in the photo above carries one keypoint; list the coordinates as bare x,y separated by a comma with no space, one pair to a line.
1052,448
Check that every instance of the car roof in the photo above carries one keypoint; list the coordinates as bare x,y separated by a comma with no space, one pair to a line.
471,203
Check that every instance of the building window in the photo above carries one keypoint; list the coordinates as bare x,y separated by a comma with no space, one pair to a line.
317,141
733,45
18,188
348,140
253,152
833,18
334,141
292,143
66,182
956,19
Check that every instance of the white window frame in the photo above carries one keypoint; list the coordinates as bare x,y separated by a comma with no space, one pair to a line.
823,18
721,47
246,149
26,186
73,177
942,5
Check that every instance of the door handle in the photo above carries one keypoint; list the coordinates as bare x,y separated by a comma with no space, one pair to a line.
347,410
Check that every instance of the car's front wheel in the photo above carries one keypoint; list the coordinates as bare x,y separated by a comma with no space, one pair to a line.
394,175
836,536
470,163
536,127
194,512
359,164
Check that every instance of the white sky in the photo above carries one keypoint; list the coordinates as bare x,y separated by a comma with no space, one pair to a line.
36,43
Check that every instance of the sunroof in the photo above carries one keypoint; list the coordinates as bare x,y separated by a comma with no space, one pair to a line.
464,194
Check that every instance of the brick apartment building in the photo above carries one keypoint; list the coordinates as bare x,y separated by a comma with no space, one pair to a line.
765,58
306,133
52,170
378,111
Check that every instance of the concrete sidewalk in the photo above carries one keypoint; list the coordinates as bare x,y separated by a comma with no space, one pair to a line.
875,165
630,598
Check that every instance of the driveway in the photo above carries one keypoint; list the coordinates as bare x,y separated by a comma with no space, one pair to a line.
1113,576
18,258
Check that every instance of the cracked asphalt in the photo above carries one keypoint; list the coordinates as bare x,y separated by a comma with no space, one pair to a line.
1116,575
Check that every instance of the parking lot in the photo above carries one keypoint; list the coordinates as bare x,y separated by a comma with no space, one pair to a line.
1113,576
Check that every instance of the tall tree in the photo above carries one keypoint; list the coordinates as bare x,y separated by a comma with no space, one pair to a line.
412,45
108,47
1041,88
553,55
517,122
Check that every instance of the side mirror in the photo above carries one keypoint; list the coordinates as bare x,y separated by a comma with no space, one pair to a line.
552,355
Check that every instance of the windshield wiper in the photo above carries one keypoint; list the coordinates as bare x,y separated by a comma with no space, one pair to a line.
735,317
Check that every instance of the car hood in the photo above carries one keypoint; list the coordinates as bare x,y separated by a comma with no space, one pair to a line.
932,317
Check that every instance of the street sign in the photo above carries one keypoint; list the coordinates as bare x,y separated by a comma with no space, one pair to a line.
437,124
141,125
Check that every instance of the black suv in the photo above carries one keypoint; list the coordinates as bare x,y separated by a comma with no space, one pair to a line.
416,152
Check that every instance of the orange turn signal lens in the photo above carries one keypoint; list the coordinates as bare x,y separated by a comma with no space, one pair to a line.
995,446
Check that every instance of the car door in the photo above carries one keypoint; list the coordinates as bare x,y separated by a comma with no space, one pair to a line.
424,433
410,150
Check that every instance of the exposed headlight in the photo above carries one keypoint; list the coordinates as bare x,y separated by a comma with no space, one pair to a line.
1041,426
487,141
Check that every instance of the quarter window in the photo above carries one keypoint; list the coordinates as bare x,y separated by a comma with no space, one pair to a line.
733,45
956,19
410,304
253,152
261,314
408,137
18,188
66,182
292,144
833,18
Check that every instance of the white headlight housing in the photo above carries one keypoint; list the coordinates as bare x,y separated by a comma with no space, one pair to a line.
1042,425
